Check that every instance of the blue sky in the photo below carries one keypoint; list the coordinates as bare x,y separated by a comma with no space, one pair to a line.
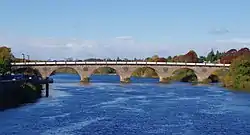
130,28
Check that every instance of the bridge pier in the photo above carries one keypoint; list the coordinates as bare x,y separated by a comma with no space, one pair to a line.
164,79
125,80
47,89
125,76
201,78
85,79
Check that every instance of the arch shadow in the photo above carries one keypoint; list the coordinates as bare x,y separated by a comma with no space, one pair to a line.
104,75
65,74
145,75
184,75
218,75
213,79
27,71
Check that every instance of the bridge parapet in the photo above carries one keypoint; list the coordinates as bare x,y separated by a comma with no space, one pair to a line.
118,63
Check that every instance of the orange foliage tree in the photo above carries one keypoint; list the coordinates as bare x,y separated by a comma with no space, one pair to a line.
232,54
190,57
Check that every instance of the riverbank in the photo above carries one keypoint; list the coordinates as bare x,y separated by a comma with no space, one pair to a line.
17,93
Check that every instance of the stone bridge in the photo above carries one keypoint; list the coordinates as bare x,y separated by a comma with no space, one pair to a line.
123,69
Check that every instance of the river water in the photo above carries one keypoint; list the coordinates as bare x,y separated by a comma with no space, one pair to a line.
106,107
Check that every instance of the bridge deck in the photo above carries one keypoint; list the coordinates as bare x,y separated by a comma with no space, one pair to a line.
117,63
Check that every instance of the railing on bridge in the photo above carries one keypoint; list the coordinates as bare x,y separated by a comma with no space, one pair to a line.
117,63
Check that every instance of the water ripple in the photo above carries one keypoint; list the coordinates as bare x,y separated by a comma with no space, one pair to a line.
68,129
134,109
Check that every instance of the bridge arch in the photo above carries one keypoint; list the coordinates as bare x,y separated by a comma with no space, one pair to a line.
213,79
123,70
202,73
100,74
217,75
185,74
146,71
104,70
64,69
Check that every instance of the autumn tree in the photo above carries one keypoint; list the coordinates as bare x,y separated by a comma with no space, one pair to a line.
190,57
242,51
232,54
161,59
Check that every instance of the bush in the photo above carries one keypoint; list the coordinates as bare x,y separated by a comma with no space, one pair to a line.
239,73
14,94
30,93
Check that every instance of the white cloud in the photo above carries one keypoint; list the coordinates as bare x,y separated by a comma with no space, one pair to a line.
55,48
227,44
123,47
125,37
219,31
236,40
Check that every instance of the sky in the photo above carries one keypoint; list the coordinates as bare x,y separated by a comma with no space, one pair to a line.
81,29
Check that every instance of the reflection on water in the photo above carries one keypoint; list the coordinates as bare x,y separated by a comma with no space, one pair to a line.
144,107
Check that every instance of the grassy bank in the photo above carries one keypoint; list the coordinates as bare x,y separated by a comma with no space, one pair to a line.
238,77
14,94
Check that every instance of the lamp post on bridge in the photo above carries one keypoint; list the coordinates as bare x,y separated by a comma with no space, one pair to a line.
28,57
23,56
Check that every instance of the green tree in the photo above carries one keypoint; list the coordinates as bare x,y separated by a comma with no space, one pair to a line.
169,59
239,73
5,60
218,55
211,56
155,58
202,59
118,59
3,67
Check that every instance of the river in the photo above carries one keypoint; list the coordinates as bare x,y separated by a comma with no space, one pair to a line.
144,107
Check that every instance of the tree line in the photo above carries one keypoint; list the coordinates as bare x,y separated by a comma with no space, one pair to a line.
238,76
190,57
212,57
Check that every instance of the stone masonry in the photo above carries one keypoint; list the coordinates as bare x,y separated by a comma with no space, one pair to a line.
124,71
